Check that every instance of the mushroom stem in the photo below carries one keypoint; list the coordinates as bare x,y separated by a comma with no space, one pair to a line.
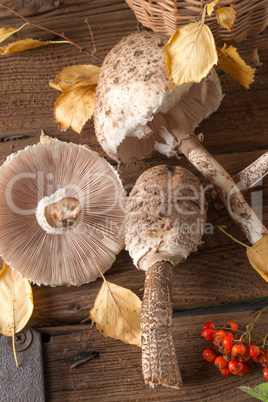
188,144
247,178
159,361
252,174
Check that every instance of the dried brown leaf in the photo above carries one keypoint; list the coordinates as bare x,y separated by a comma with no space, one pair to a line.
7,32
16,302
211,6
226,17
74,76
116,313
258,256
74,107
190,53
21,45
230,62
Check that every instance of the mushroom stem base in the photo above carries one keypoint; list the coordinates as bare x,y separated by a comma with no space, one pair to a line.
159,361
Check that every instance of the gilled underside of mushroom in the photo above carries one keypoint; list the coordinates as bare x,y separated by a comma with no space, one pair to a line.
136,146
61,205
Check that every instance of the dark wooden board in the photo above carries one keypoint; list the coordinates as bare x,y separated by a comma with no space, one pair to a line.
116,375
217,275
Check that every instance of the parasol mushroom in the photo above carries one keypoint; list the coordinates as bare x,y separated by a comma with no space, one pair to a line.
164,223
60,205
136,112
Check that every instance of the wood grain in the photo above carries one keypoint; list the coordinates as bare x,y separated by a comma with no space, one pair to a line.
218,274
116,375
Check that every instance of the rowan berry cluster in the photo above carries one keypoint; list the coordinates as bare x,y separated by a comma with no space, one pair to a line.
236,350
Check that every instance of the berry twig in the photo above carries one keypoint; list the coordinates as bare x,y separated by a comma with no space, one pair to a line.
82,49
236,346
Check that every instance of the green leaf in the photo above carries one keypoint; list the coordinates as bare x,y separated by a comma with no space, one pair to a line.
260,391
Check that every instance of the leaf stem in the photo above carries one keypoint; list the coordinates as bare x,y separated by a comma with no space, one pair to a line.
233,238
14,349
52,32
95,262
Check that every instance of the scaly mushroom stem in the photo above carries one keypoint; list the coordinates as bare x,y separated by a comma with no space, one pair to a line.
252,174
247,178
159,361
188,144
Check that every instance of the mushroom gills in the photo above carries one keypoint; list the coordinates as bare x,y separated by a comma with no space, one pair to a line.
198,103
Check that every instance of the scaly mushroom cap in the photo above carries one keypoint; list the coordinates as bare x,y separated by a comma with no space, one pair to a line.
134,86
165,216
61,205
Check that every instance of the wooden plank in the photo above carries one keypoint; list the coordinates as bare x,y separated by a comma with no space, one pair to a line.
116,374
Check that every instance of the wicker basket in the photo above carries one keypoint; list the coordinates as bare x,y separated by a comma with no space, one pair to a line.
167,15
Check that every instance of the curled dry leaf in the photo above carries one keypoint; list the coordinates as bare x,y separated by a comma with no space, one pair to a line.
46,139
230,62
74,107
116,313
258,256
21,45
226,17
16,302
74,76
211,6
190,53
7,32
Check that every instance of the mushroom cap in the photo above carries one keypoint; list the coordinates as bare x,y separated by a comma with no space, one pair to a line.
32,175
165,216
134,86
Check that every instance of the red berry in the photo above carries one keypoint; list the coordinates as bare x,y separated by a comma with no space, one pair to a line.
244,358
225,371
232,325
209,355
228,341
254,350
263,359
227,355
220,363
238,350
218,336
265,373
243,369
256,359
208,324
234,366
207,333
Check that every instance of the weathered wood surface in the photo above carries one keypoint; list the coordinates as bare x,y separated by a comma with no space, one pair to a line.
116,375
217,274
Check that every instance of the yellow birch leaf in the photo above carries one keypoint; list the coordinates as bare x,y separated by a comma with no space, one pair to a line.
74,107
74,76
226,17
258,256
116,313
7,32
190,53
211,6
16,302
21,45
230,62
